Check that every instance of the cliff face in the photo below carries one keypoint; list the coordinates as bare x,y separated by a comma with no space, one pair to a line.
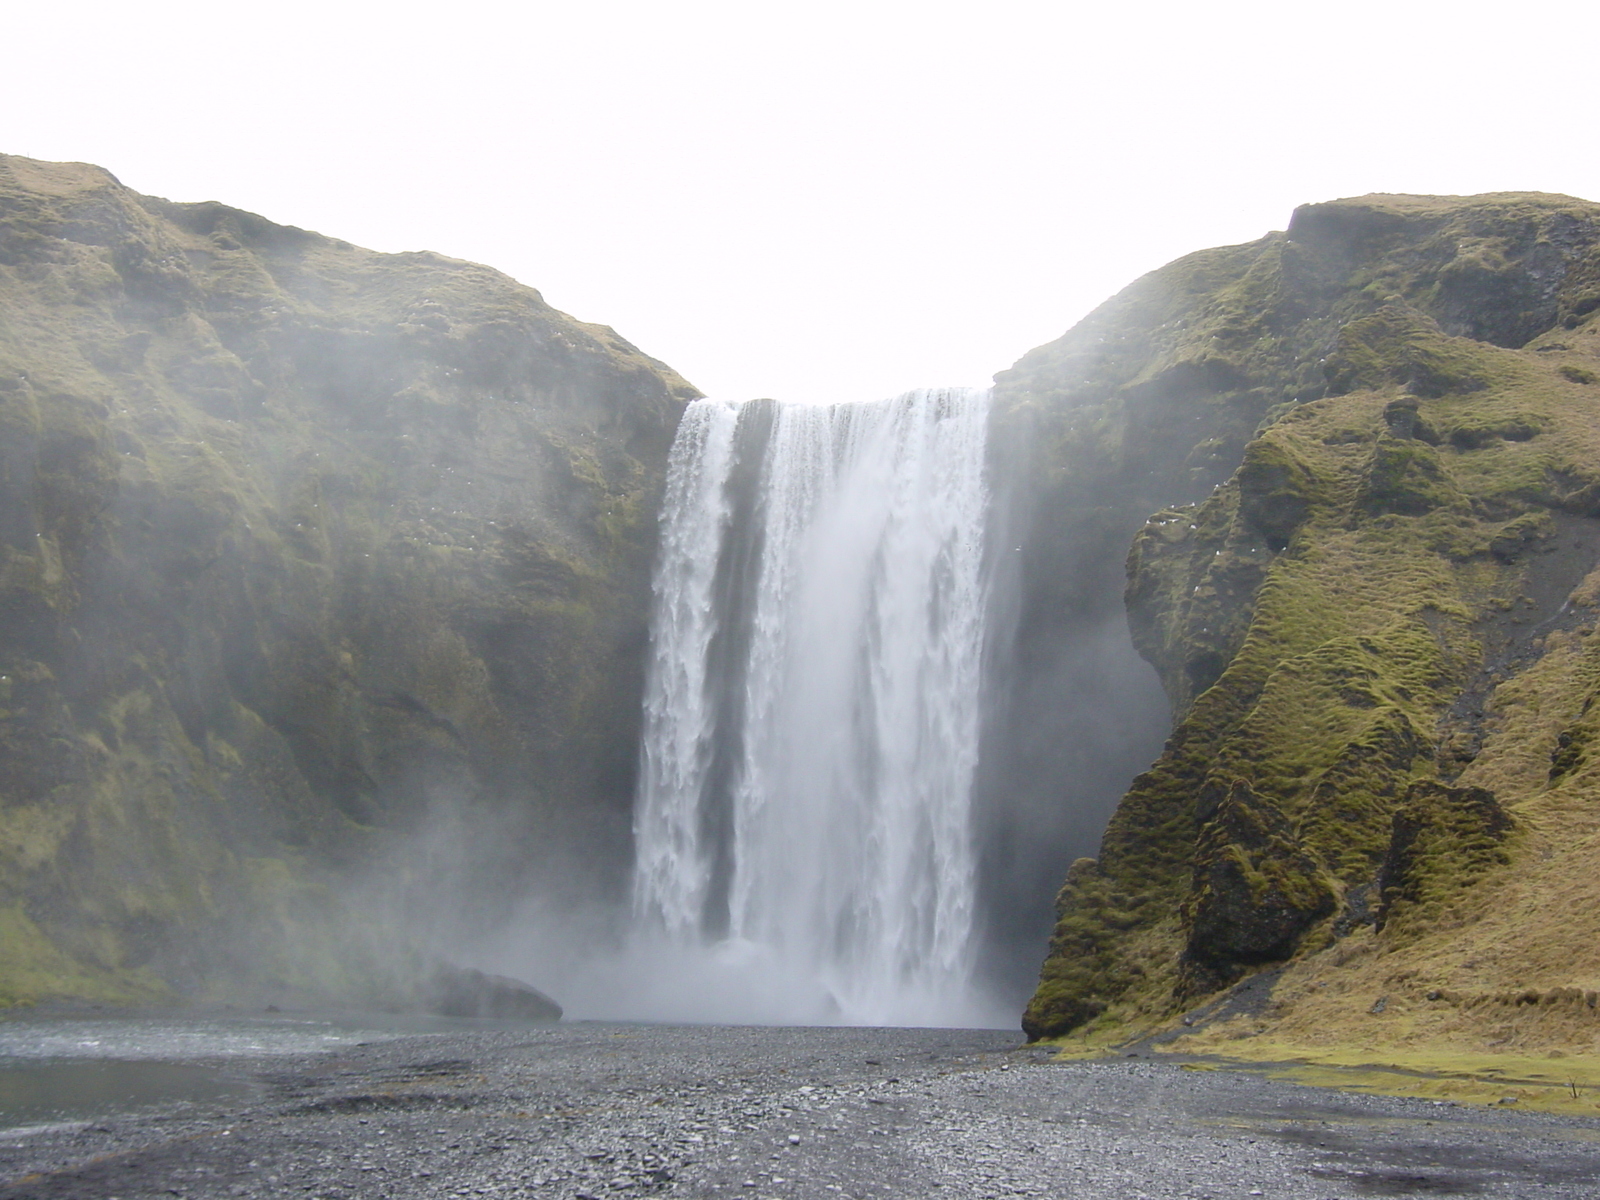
1367,451
306,552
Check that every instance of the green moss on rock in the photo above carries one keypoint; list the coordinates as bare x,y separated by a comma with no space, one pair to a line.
303,549
1443,840
1254,894
1327,619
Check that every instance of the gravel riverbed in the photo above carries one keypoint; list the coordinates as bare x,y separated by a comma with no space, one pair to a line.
608,1112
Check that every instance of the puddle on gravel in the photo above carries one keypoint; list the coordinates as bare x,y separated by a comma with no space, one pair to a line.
137,1038
57,1068
42,1091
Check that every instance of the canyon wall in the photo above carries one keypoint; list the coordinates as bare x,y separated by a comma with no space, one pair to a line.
317,565
324,581
1361,463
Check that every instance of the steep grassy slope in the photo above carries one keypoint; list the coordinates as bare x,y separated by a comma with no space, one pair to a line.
1375,633
305,551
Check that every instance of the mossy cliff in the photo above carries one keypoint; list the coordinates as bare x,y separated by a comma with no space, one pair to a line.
305,551
1367,452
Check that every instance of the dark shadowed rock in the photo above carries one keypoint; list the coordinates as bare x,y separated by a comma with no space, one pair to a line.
1256,891
463,992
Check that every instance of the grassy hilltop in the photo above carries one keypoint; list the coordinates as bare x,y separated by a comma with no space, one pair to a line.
1366,457
305,551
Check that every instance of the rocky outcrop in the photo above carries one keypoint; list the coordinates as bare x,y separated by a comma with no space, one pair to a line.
462,992
307,554
1368,456
1255,893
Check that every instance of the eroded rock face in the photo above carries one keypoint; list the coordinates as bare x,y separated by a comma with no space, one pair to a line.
306,552
1372,453
1256,891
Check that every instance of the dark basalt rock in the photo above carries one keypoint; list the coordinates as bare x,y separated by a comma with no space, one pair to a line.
463,992
1255,892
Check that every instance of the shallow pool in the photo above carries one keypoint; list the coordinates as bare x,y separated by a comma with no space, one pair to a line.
66,1068
44,1091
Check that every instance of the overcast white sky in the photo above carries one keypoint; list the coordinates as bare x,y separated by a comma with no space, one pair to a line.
816,200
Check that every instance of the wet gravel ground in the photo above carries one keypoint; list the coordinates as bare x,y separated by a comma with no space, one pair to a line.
607,1111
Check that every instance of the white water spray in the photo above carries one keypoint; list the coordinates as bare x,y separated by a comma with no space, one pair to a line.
811,710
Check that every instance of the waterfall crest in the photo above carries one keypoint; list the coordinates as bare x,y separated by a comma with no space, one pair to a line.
811,709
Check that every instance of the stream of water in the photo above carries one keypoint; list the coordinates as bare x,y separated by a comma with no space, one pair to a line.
811,714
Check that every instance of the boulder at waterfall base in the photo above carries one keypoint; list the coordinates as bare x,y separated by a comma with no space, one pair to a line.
462,992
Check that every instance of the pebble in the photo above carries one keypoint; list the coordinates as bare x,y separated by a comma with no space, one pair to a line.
581,1112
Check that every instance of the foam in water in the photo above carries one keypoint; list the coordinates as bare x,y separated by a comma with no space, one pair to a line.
803,824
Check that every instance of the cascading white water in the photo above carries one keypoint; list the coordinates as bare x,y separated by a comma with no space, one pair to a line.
811,714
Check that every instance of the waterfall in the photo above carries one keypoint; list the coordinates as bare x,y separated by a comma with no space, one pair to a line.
811,708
